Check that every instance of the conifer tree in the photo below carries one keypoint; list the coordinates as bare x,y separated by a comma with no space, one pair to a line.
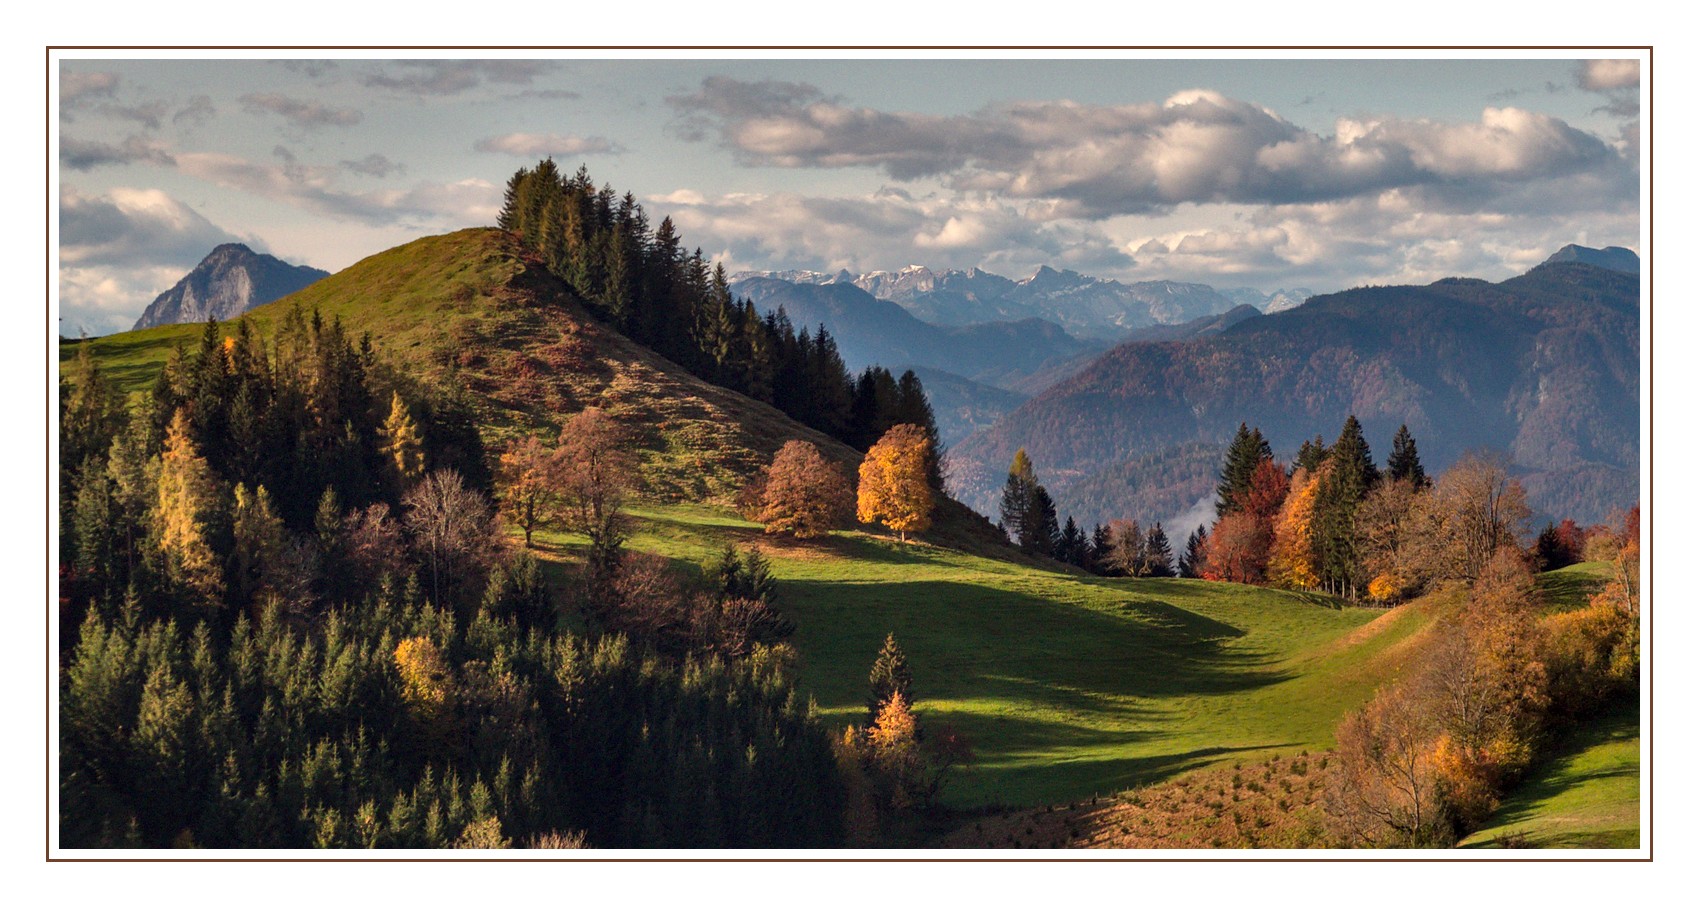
913,407
1019,491
1159,558
1348,475
1192,558
1312,453
402,447
1245,452
1402,461
1073,547
184,513
1041,524
889,676
1098,556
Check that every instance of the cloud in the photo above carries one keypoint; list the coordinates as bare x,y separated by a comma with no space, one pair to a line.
197,112
536,145
885,229
80,87
1196,147
148,113
451,77
1398,236
1608,75
314,188
312,69
373,165
305,114
119,250
84,155
133,226
546,94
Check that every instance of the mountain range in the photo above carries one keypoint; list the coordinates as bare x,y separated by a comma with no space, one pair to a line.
231,280
1544,366
1086,307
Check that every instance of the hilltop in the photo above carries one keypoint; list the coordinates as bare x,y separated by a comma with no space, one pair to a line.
476,310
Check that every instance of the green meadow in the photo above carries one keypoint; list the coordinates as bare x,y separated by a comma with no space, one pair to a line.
1067,685
1586,796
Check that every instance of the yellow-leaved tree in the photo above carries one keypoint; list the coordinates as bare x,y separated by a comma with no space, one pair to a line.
1292,559
401,446
527,477
893,488
188,497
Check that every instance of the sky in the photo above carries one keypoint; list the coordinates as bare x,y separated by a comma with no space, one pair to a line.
1274,174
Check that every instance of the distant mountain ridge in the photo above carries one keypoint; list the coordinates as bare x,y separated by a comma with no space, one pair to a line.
1544,366
1085,306
231,280
872,331
1615,258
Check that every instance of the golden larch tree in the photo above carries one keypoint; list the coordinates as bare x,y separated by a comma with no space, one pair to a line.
402,447
893,488
188,496
1292,559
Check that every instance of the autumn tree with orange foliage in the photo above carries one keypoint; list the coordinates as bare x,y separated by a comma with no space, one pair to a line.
893,488
1383,523
1237,550
804,494
528,477
1292,555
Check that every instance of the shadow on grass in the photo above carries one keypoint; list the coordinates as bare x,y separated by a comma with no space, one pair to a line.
967,641
1555,776
1568,589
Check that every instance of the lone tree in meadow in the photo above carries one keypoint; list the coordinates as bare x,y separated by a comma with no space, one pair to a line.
893,488
889,676
595,470
527,477
804,494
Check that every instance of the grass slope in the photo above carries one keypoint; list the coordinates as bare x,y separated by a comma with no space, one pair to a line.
475,309
1587,796
1067,685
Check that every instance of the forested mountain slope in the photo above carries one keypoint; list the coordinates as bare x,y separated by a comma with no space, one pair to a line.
1544,365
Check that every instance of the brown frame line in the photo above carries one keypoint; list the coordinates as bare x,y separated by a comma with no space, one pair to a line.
1085,855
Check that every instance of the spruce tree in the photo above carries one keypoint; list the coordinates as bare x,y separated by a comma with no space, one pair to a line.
1245,452
1072,546
1159,559
1041,523
890,675
1019,491
1344,485
1312,453
1099,553
913,407
1402,462
1193,556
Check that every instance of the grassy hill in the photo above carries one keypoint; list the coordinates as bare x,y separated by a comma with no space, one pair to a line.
1586,796
474,308
1067,685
